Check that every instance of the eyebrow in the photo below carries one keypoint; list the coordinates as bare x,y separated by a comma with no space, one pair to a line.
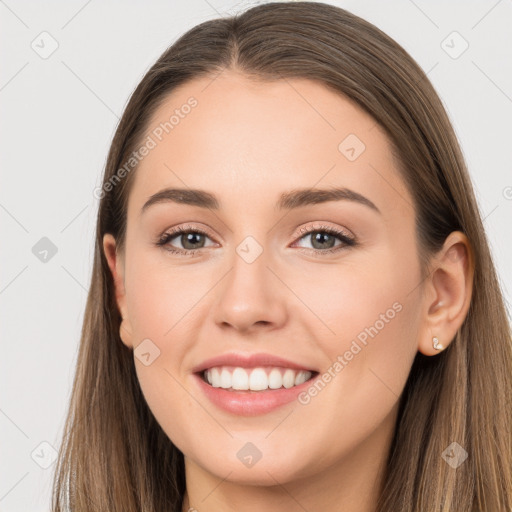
287,201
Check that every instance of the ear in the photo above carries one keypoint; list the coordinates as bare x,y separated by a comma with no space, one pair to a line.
447,293
116,265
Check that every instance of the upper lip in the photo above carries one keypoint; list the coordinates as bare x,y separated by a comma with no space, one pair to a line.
248,361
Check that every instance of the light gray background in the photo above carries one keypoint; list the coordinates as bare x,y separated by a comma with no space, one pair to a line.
58,116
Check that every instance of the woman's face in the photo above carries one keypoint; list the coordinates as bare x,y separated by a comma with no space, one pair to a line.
328,283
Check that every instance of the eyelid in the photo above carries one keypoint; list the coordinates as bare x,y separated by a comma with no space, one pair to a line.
321,226
176,231
344,236
317,226
184,228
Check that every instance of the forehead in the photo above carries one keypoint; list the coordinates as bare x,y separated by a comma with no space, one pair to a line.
229,133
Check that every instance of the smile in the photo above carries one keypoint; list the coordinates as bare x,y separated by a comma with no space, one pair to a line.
254,379
240,396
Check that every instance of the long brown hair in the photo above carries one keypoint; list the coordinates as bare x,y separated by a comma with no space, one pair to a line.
114,455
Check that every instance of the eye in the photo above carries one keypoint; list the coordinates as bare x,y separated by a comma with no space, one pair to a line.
323,239
190,240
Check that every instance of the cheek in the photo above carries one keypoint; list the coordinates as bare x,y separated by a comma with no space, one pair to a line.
161,296
174,407
372,337
357,299
166,306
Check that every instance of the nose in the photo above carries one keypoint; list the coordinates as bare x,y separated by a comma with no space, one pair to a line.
250,297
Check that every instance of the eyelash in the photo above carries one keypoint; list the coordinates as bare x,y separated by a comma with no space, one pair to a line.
346,240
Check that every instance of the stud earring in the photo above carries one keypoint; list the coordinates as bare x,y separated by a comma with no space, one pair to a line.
436,343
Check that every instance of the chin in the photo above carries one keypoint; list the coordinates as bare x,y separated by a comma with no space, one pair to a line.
267,471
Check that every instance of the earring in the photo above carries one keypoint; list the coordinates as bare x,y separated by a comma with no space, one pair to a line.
436,343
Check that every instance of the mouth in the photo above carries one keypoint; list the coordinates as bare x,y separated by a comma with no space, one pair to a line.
249,384
256,379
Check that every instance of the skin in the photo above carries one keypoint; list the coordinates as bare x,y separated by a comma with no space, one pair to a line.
247,143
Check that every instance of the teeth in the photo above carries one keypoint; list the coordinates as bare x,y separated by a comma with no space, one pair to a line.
288,378
225,379
255,379
239,379
275,381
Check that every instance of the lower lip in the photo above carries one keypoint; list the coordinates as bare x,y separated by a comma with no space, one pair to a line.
251,403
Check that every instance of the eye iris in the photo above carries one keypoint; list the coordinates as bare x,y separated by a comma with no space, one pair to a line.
321,236
189,238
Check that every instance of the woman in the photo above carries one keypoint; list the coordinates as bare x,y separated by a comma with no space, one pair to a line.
293,304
